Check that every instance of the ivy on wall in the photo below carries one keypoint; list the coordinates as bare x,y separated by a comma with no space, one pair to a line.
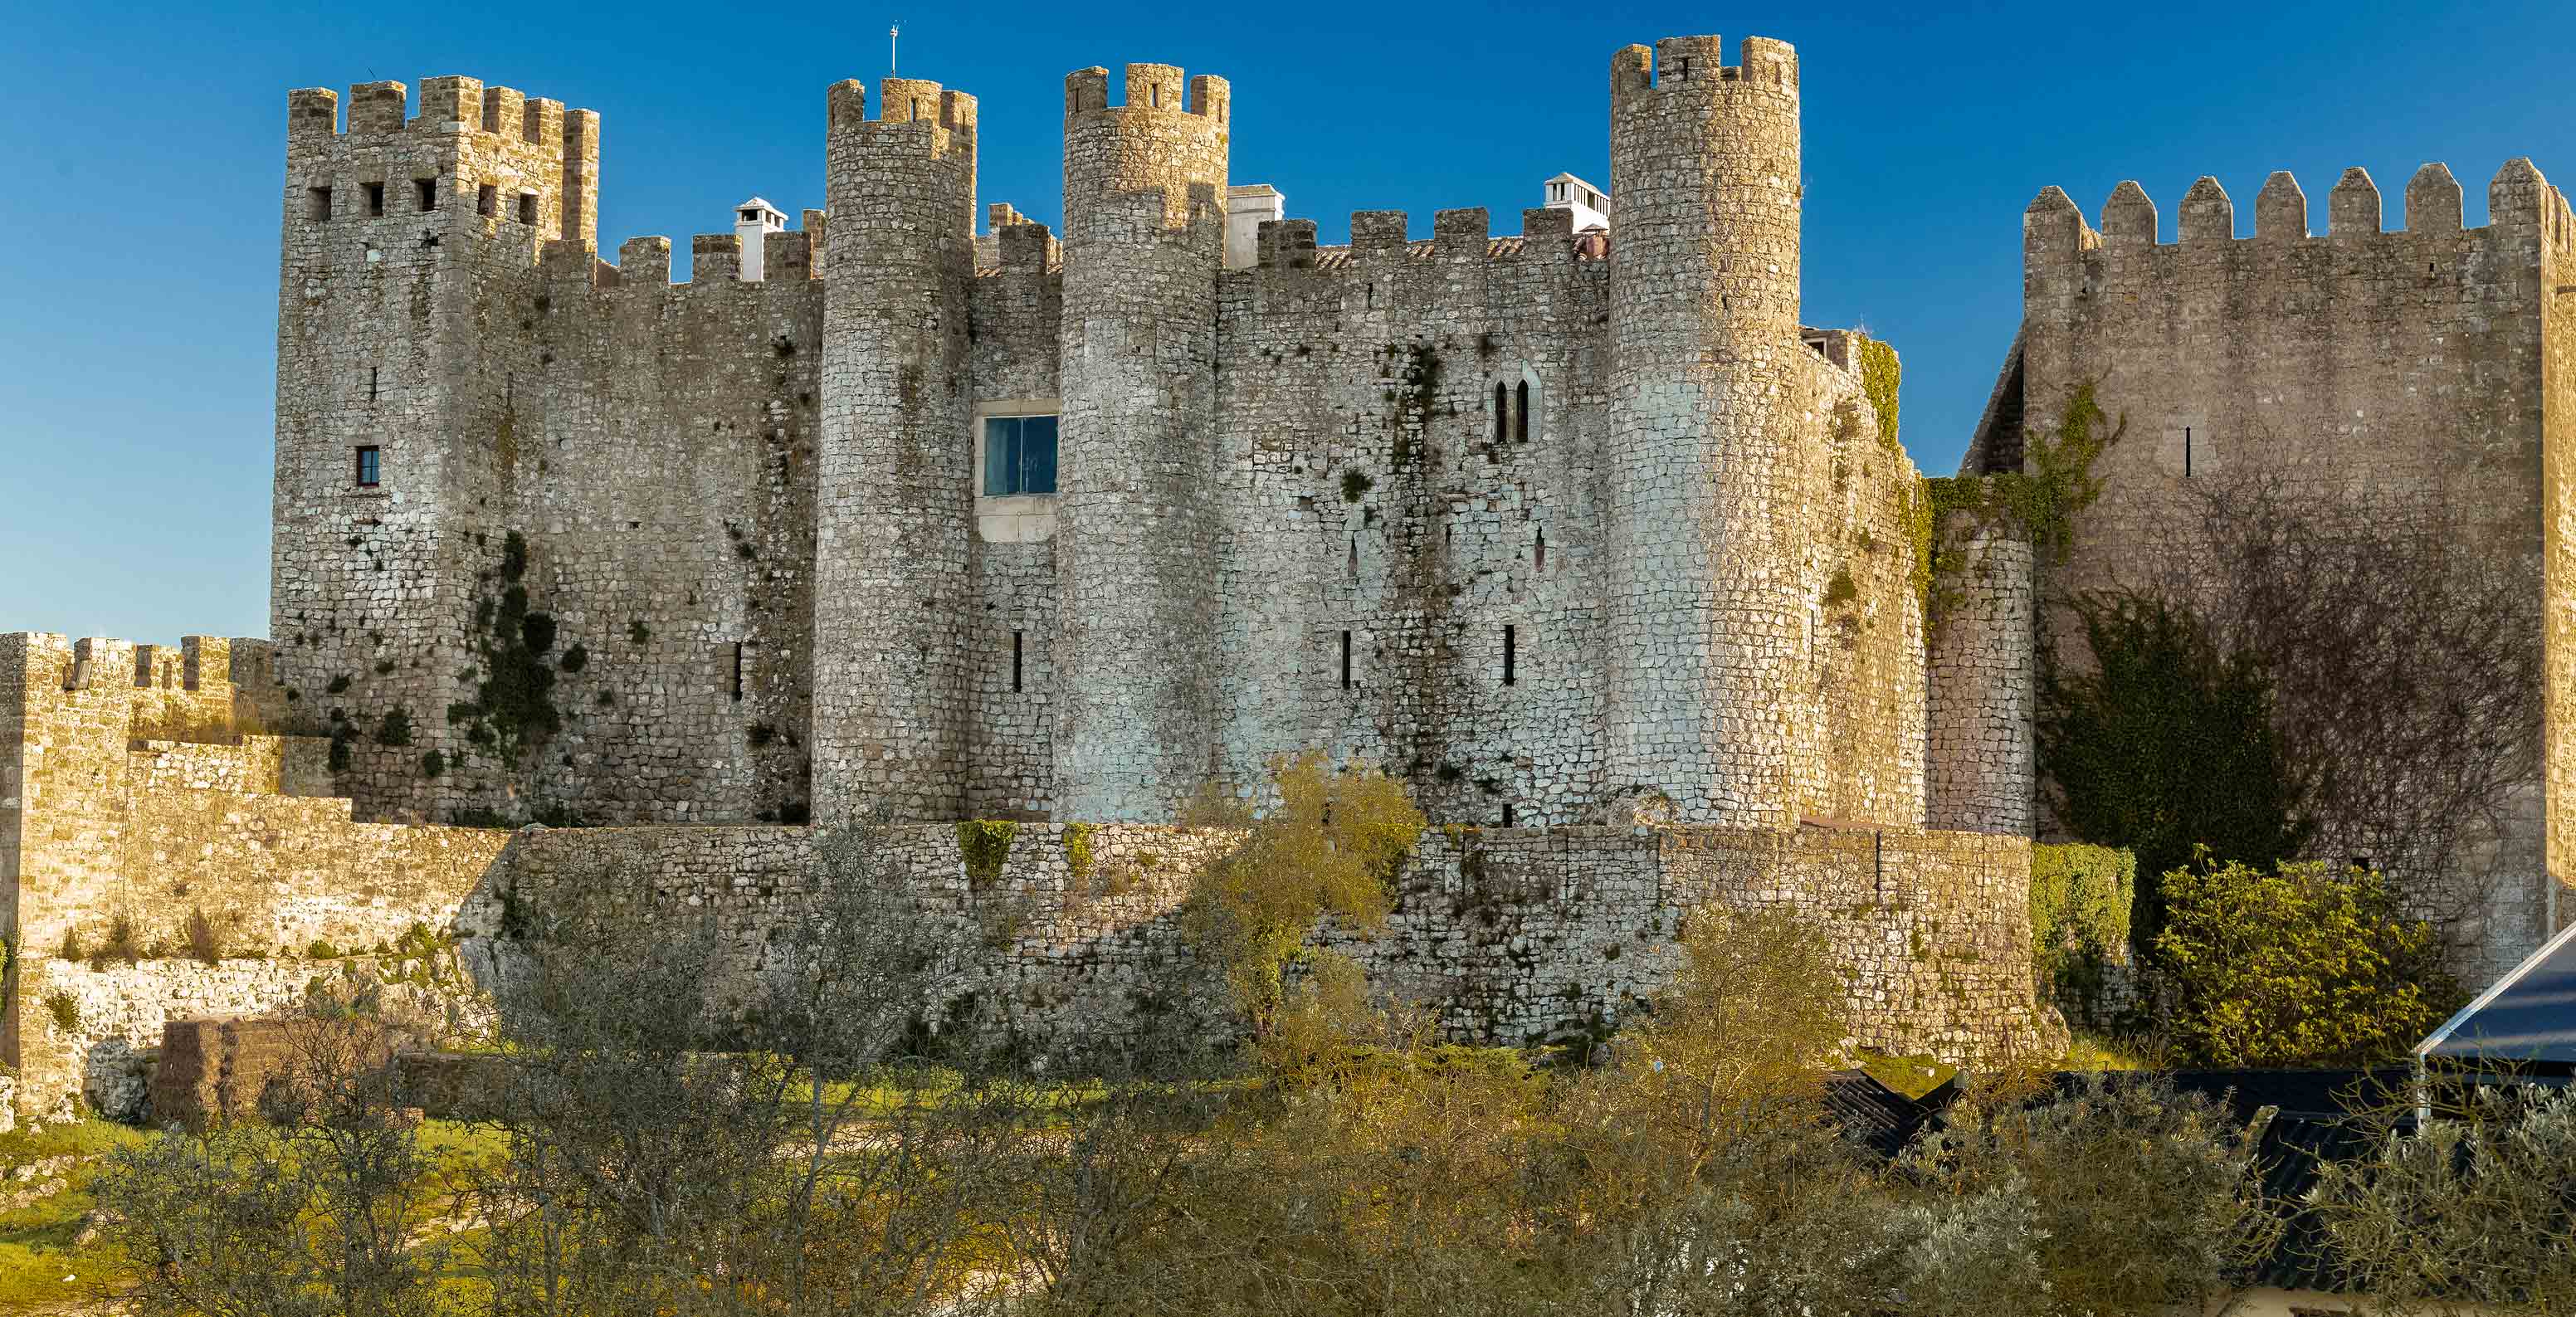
1880,375
985,844
2165,745
513,700
2079,914
2039,503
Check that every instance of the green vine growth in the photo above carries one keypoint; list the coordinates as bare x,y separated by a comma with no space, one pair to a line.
986,846
2040,502
1879,376
1078,858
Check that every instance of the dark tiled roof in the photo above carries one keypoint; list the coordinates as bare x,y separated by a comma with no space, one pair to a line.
2529,1015
1877,1117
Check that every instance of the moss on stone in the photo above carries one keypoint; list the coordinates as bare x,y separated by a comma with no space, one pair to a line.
1880,375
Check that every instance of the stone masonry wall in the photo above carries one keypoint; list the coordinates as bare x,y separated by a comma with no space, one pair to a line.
2397,377
714,552
1984,685
1514,936
98,836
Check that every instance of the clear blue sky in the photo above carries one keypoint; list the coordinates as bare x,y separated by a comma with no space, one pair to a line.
145,155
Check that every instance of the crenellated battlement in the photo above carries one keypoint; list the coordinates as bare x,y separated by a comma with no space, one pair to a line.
2518,198
1547,234
205,689
449,106
1150,89
939,121
1696,66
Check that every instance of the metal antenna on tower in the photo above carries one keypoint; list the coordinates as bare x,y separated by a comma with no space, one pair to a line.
892,33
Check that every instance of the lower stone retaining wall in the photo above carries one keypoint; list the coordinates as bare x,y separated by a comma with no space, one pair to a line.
1512,936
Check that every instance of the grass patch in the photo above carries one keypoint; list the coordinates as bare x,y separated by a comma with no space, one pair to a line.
36,1248
1908,1076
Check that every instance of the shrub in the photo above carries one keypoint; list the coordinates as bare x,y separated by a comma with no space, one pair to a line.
124,941
2164,745
322,950
73,947
433,764
202,942
1330,846
65,1008
2300,965
395,727
574,659
2079,913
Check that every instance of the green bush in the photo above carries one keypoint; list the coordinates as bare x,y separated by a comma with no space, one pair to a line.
2298,966
65,1008
2164,745
322,950
985,845
2079,913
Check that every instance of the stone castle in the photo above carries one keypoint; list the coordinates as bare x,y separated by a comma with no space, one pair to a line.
1579,530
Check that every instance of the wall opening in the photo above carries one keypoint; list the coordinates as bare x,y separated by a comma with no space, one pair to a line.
1538,555
487,200
373,382
1507,816
1018,639
2186,452
1502,405
317,203
1019,455
425,191
375,200
1511,654
737,671
528,208
1520,414
370,467
1346,660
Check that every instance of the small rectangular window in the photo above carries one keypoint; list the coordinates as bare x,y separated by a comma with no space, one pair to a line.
1019,455
425,190
527,208
370,466
737,671
1017,637
375,200
1346,660
1511,654
487,200
317,203
1507,816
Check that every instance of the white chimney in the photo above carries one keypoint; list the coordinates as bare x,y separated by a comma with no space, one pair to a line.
1245,208
752,219
1591,205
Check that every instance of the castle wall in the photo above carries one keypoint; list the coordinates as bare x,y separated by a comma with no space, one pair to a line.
2396,377
100,827
1513,936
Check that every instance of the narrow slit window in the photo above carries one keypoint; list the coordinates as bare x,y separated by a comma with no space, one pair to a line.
373,382
1538,555
2186,451
375,200
1501,404
1520,414
1019,455
737,671
370,466
1507,816
317,203
527,208
1346,660
1511,654
1018,639
487,200
425,191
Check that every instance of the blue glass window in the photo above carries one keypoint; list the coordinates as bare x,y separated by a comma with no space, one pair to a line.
1019,455
370,468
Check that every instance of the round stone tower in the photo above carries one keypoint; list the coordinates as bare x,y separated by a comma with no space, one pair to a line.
895,482
1711,696
1144,237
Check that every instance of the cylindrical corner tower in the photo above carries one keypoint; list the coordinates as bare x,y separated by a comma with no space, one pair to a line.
895,482
1711,695
1144,236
